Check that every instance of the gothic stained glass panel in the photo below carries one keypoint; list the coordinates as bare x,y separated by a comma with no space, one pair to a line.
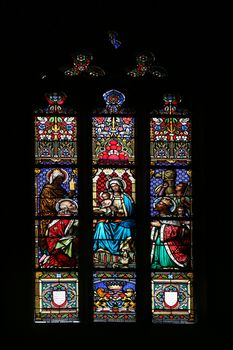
171,244
170,133
103,181
56,230
56,297
170,129
57,242
166,152
172,297
113,140
117,252
114,296
53,185
114,234
114,221
55,132
175,184
171,213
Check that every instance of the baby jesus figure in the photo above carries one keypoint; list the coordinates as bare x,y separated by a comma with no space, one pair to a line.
106,203
105,206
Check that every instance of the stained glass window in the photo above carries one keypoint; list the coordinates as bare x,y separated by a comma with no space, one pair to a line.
56,212
114,222
114,230
171,213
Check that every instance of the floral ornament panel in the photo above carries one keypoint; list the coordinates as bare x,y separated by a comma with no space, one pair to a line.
113,140
145,64
82,64
55,128
170,133
170,140
55,132
170,129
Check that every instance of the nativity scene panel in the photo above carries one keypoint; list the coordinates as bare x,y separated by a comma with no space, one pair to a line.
114,228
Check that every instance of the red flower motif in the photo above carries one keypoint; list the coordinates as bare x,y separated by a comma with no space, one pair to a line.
127,120
99,120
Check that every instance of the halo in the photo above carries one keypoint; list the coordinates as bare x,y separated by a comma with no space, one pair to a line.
159,199
57,206
101,194
63,171
117,180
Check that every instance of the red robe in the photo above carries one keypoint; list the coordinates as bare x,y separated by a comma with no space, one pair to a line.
57,229
176,242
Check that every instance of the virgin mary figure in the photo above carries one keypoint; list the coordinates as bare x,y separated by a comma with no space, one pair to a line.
112,235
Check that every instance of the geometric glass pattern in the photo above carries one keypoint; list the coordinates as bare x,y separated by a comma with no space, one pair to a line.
56,297
172,297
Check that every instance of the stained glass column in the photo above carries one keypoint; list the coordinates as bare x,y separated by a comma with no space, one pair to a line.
56,212
114,224
171,213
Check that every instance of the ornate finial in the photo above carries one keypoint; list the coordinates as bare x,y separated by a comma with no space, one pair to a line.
172,99
170,102
114,99
171,105
145,64
54,98
81,63
55,101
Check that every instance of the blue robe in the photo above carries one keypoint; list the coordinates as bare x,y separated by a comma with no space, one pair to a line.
110,235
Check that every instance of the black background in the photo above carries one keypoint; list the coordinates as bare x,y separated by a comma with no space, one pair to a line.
191,41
